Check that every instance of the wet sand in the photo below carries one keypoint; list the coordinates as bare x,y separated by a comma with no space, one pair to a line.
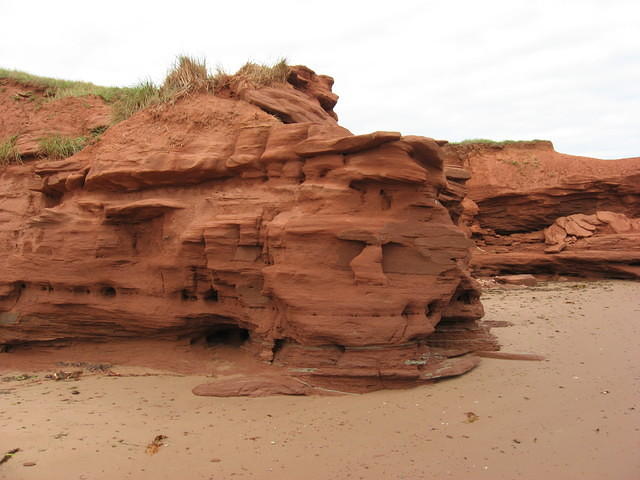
575,415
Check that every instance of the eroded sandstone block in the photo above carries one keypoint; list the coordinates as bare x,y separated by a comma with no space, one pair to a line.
335,256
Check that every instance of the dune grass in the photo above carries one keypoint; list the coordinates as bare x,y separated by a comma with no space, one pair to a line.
186,76
189,75
60,146
134,99
262,75
8,152
57,88
124,100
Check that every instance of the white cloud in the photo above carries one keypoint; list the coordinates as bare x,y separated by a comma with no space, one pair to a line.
567,71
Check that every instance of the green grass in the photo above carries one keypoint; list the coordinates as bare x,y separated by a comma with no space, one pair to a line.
59,146
136,98
56,88
187,75
8,152
124,100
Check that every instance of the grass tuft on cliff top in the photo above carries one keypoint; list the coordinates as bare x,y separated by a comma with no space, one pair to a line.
187,75
264,75
8,152
134,99
125,101
57,88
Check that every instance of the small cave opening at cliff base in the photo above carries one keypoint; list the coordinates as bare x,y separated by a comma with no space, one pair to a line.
466,297
225,335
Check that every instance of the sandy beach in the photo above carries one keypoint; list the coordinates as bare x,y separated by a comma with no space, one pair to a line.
575,415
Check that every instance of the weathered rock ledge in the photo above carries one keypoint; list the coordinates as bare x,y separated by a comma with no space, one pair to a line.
254,218
531,209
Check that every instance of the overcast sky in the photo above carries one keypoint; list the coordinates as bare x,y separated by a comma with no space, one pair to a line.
563,70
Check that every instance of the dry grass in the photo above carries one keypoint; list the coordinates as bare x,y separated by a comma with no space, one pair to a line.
8,152
188,75
221,78
261,75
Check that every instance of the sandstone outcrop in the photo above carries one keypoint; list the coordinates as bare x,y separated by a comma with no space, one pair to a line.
531,209
250,217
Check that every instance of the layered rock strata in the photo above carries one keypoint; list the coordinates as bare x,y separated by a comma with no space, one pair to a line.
531,209
252,217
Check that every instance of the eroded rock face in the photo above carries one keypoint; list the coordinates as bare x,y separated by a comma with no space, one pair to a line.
334,254
533,210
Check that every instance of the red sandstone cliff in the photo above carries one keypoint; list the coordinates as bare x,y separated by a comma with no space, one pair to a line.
249,213
534,210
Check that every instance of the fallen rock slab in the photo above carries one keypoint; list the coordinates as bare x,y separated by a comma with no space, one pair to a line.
524,279
512,356
452,367
253,386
